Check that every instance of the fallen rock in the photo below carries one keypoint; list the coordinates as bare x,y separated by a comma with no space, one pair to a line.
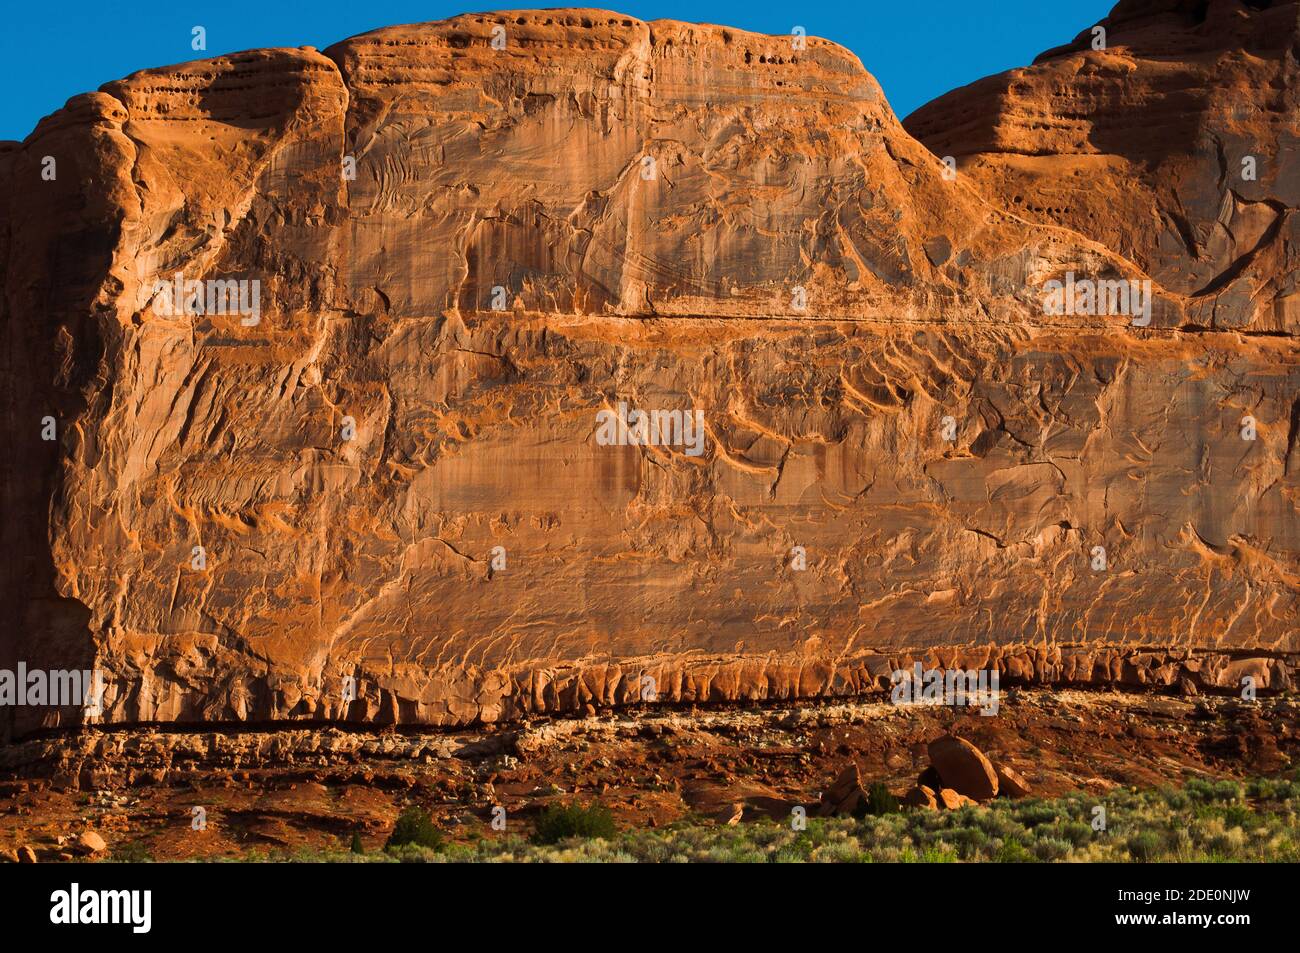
952,800
91,843
1010,782
731,815
922,797
845,794
26,855
964,768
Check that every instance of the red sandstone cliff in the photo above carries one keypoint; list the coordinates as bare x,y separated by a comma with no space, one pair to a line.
678,217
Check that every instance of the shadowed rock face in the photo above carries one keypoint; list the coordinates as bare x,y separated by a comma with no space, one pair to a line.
396,471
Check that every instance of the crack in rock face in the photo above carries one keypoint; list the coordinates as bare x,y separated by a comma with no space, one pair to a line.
548,361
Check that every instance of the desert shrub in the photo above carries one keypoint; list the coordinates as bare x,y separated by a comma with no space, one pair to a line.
880,801
817,833
732,854
787,855
1227,791
412,854
1176,843
1240,815
1207,792
1032,814
997,822
840,852
561,821
657,851
1076,832
1228,843
1176,800
1012,851
618,857
1271,789
930,821
939,853
357,847
1198,789
1144,846
969,842
1051,848
415,828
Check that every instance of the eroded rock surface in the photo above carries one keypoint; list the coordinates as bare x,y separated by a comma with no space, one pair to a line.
394,475
1176,145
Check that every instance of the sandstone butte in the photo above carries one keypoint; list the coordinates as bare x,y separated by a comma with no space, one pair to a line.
670,216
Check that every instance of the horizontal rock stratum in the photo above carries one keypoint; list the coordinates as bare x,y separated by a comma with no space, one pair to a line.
389,470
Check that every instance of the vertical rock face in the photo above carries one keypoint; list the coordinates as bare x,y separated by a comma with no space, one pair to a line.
388,491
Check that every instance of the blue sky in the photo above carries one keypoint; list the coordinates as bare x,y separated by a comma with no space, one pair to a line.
52,51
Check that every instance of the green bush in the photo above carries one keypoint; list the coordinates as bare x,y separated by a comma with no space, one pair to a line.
1032,814
1051,848
357,847
415,827
1175,843
1176,800
1076,832
788,855
1274,789
969,842
1209,792
938,853
880,801
1013,852
1200,790
1145,846
1227,791
560,822
1239,815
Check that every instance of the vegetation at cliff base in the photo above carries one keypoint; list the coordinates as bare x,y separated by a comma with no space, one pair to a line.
1202,821
414,828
